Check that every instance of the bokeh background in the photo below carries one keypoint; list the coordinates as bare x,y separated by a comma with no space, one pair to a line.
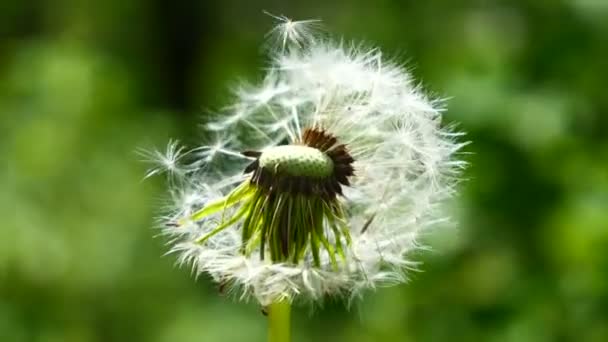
83,84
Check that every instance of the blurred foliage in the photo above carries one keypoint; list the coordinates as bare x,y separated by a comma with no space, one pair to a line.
83,84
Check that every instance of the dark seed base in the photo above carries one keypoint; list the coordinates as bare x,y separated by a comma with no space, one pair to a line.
328,188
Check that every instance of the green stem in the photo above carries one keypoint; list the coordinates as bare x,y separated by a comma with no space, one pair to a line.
279,321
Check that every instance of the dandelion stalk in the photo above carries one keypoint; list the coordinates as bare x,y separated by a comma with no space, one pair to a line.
279,315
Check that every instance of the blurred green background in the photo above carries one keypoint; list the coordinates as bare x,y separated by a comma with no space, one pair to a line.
83,84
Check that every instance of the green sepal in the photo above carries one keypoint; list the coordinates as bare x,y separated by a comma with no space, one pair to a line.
238,194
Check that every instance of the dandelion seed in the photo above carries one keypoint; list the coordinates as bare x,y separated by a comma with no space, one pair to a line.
165,162
293,33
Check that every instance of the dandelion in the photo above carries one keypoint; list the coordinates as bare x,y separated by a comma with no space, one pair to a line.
326,176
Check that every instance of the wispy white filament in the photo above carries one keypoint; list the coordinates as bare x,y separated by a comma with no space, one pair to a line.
404,166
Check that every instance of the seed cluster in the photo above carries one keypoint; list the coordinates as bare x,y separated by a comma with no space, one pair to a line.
289,206
294,207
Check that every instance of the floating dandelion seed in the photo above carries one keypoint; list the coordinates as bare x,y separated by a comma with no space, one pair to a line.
293,32
324,178
167,162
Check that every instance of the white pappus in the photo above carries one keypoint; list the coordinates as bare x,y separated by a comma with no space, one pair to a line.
324,176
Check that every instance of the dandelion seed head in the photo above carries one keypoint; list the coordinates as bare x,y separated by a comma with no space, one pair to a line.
322,178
